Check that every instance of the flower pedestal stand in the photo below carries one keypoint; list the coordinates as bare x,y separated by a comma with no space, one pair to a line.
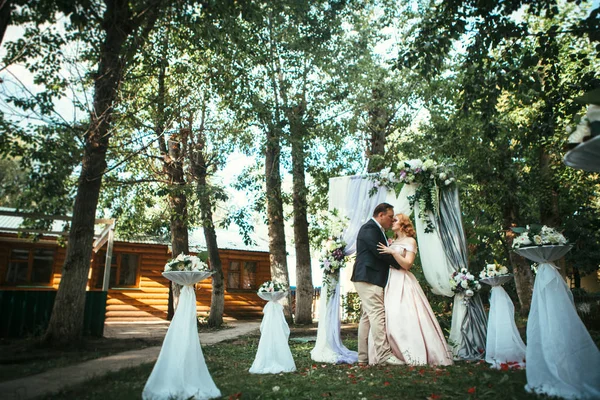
562,358
180,371
329,347
503,344
273,355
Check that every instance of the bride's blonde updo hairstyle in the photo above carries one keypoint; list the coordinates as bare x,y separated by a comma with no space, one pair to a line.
406,225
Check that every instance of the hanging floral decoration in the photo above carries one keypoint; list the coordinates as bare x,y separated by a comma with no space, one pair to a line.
430,177
332,257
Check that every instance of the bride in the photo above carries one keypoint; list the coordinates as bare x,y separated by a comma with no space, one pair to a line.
414,334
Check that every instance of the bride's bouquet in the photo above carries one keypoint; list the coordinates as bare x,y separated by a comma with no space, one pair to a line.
537,235
464,282
493,270
271,287
184,262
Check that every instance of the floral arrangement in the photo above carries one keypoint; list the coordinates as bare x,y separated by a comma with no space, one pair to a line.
430,175
464,282
184,262
271,287
492,270
537,235
587,127
332,257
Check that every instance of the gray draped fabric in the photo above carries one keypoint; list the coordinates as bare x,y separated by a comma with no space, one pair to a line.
474,331
474,326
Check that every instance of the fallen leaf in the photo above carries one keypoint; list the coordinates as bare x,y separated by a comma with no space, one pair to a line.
472,390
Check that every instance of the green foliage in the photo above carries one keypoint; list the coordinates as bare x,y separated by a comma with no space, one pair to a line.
351,307
499,108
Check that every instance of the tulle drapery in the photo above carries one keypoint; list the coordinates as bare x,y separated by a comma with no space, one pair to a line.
329,347
504,344
471,339
562,358
273,355
443,251
180,371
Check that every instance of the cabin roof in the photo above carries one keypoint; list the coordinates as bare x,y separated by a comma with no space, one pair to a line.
228,239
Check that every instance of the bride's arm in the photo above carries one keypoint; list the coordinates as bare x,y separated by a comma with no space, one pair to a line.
404,257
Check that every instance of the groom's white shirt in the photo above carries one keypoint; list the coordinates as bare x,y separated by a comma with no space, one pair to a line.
385,242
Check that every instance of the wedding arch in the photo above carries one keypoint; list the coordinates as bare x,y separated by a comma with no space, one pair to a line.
440,237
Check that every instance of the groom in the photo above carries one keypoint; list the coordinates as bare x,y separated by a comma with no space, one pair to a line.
370,276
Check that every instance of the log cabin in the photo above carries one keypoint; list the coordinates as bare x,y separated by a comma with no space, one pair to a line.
135,288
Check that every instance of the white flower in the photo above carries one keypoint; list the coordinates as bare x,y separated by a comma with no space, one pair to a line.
581,132
276,388
469,293
593,113
503,270
443,176
181,257
414,164
482,274
464,284
447,182
537,239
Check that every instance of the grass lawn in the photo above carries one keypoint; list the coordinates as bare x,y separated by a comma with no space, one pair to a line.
229,362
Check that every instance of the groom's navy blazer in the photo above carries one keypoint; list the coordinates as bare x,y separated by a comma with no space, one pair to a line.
371,266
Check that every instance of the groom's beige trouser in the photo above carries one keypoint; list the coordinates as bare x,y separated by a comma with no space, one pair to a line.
372,318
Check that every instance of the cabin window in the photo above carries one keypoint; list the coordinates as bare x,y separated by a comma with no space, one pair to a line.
31,266
241,275
124,270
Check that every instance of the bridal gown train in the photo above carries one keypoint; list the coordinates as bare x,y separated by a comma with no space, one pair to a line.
413,332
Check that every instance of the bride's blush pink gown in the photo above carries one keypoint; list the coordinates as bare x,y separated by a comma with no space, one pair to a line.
413,331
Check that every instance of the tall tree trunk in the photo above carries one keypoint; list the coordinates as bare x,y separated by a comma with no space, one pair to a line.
304,285
277,256
377,130
66,322
178,211
510,212
5,12
549,214
173,169
200,172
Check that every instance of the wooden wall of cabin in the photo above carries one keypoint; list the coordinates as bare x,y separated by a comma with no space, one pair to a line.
148,298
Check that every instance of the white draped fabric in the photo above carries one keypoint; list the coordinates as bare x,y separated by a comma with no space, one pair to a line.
436,268
350,196
273,355
504,344
180,371
329,347
562,358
